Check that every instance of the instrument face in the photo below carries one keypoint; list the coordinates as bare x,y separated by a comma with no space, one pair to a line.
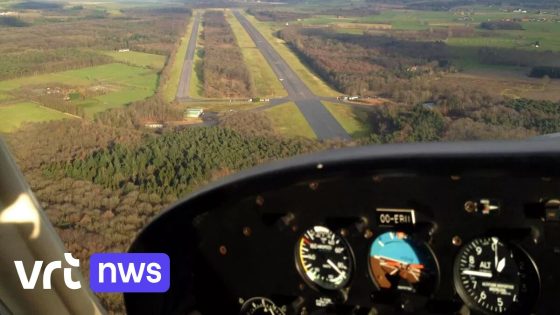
494,277
399,263
324,259
260,306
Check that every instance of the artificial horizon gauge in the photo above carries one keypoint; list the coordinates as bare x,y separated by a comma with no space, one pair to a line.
399,263
494,277
324,259
260,306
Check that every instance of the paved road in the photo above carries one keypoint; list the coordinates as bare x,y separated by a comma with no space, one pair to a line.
185,80
319,118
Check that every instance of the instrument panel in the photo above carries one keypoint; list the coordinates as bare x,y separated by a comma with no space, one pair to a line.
442,234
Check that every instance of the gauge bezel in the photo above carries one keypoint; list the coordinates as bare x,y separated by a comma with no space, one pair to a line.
427,251
244,307
533,280
301,270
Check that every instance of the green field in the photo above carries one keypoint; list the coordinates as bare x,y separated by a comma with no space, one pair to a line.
12,116
170,87
313,82
289,121
263,78
140,59
348,117
124,84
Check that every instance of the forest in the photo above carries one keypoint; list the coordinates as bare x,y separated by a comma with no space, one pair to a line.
364,64
504,119
224,72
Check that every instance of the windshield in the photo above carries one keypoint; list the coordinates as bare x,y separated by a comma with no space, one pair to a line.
114,110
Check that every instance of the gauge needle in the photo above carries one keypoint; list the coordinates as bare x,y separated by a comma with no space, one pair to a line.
475,273
334,266
495,241
501,265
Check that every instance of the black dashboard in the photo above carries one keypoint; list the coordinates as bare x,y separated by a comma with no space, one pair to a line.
463,228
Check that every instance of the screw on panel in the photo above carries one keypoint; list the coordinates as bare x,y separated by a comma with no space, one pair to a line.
320,166
456,240
470,206
377,179
344,232
368,234
247,231
260,200
455,177
223,250
314,185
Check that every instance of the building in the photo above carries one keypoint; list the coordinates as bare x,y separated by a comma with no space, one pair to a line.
193,113
153,125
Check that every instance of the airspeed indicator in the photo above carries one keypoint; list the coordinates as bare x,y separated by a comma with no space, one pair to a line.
323,258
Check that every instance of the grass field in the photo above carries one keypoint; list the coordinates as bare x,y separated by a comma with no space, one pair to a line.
263,78
347,117
289,121
127,84
313,82
170,88
12,116
140,59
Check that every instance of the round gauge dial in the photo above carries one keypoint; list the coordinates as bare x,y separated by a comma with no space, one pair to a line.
399,263
323,258
495,278
260,306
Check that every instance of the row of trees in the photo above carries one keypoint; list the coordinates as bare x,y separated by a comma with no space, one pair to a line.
223,69
517,57
541,72
277,16
501,25
32,62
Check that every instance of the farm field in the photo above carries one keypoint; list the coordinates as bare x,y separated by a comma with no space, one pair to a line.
263,78
289,121
139,59
348,117
13,115
509,83
313,82
120,83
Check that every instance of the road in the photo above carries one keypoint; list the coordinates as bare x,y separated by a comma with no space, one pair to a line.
186,72
319,118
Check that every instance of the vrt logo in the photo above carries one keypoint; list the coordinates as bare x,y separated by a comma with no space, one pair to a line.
29,283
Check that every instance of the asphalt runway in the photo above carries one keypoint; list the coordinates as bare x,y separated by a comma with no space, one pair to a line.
319,118
186,72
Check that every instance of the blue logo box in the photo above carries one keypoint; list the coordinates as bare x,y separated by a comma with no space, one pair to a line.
142,272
